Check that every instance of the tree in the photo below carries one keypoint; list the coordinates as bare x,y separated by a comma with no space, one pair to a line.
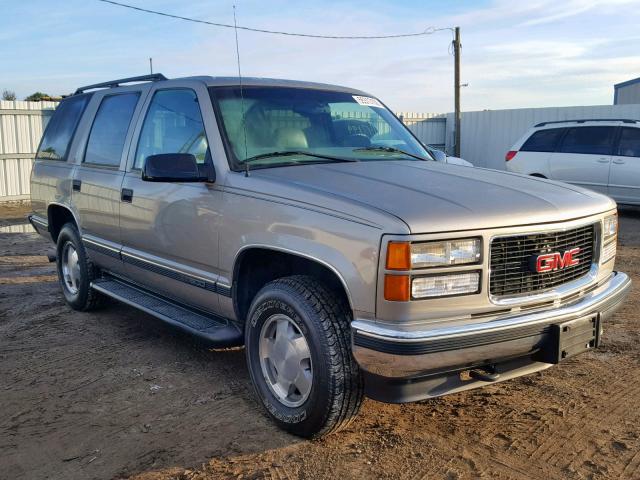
8,95
37,97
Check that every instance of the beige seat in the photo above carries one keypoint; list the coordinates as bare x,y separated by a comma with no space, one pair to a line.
290,138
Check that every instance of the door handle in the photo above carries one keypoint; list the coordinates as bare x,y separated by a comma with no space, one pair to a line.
126,195
77,185
619,161
603,160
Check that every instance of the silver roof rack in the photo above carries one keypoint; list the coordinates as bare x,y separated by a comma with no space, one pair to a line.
116,83
624,120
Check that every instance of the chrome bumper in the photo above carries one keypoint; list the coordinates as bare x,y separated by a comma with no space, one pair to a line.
389,353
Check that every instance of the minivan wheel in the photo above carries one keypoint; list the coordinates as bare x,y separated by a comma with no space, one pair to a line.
75,271
298,349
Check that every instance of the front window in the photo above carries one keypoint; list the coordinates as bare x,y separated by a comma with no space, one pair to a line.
279,126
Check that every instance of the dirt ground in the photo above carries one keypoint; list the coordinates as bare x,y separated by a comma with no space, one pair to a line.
116,394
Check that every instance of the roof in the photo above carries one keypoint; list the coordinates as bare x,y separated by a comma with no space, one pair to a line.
227,81
627,83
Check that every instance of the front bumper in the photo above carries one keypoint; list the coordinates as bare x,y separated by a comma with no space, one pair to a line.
408,365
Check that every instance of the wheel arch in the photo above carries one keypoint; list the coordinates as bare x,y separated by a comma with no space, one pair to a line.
268,263
57,215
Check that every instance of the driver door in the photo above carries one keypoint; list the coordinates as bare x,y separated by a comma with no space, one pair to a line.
170,230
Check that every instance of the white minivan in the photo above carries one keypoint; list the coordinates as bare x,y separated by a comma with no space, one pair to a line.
600,154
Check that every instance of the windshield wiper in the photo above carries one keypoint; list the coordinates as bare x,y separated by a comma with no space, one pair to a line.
390,150
289,153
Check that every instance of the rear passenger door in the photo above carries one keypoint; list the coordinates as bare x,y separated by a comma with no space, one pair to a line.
624,179
170,229
98,177
584,157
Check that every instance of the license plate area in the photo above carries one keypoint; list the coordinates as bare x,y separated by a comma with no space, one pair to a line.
571,338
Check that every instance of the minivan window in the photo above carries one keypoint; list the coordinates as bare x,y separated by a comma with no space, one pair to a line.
59,132
173,124
629,145
543,140
589,140
109,129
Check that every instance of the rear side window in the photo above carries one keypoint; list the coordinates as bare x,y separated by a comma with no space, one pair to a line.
57,137
629,145
543,140
109,129
589,140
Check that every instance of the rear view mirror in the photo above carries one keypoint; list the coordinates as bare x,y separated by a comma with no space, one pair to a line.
172,167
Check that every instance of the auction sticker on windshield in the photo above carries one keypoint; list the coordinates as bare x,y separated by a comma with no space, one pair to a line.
368,101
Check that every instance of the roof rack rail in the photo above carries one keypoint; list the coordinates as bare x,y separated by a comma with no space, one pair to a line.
624,120
154,77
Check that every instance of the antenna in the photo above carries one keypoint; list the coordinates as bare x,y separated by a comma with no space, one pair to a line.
244,126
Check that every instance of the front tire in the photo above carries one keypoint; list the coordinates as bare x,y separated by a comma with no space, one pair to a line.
298,348
76,271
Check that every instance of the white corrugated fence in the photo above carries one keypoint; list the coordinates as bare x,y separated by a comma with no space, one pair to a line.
21,126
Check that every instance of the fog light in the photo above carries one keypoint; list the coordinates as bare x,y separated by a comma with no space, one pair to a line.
445,285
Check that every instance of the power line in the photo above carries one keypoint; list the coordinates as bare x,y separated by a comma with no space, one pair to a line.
428,31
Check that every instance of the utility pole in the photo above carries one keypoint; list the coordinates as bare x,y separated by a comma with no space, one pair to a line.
456,50
151,65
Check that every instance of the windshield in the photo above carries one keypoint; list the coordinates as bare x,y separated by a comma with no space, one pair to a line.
265,122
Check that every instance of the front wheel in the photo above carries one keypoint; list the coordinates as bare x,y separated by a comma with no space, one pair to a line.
299,356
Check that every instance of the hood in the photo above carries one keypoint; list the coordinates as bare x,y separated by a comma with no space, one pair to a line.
434,197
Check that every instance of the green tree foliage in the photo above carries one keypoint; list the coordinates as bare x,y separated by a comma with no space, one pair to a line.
8,95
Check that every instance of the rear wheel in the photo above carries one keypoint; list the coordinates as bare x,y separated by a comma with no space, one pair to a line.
299,355
75,271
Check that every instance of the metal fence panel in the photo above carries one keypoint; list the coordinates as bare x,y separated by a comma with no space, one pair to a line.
21,127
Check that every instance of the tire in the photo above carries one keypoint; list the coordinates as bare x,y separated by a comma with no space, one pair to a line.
313,312
75,276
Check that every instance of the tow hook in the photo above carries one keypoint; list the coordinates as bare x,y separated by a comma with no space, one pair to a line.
485,374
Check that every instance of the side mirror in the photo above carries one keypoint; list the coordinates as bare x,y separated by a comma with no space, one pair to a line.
172,167
438,155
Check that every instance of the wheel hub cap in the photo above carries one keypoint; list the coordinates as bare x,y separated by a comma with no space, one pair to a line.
285,360
70,269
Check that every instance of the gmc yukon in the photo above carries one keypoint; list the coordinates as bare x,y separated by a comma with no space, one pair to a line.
307,223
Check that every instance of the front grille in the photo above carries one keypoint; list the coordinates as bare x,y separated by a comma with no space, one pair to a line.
511,260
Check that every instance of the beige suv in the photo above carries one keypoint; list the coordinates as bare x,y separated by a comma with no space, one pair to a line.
305,222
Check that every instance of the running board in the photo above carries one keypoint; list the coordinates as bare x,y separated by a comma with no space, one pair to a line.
217,331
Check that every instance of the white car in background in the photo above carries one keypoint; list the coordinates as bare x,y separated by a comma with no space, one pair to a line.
600,154
442,157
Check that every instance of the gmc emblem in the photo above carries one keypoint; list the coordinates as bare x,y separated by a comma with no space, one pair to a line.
550,262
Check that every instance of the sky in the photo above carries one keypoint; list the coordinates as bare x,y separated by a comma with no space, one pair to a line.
515,54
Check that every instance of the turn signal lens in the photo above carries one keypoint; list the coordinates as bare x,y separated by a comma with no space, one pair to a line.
610,228
396,288
399,256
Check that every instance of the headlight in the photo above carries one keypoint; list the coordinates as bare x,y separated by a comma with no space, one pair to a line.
610,227
445,285
443,253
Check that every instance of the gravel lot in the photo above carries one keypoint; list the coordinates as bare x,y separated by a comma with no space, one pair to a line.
116,394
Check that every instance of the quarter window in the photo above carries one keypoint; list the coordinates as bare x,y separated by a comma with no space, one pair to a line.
589,140
629,145
173,125
543,140
109,130
57,137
